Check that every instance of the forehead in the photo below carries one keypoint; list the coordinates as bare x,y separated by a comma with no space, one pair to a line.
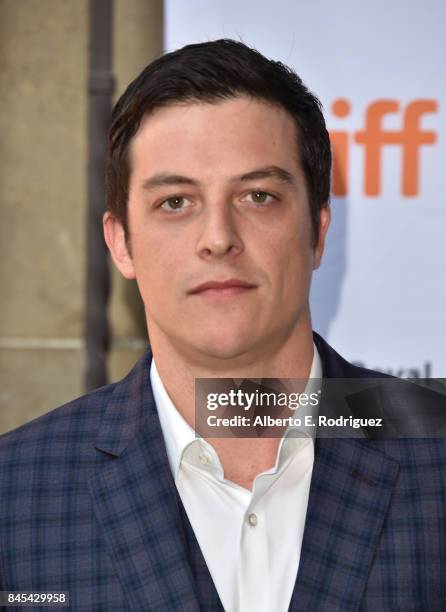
223,135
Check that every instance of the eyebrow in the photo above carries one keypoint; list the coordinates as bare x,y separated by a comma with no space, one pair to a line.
267,172
163,178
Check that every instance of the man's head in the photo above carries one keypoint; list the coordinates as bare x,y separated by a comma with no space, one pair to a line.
212,72
218,185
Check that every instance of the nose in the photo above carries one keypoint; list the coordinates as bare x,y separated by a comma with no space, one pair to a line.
219,235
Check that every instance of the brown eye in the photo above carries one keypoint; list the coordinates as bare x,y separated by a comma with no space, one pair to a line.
175,203
259,196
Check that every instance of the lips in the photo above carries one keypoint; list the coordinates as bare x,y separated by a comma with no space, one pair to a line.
230,286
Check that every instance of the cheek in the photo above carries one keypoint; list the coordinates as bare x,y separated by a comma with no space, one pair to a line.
287,247
154,263
299,251
290,264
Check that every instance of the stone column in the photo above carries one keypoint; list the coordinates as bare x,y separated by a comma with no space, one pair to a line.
43,153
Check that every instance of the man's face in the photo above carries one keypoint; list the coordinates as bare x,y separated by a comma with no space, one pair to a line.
220,229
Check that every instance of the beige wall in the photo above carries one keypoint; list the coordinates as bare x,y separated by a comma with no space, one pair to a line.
43,174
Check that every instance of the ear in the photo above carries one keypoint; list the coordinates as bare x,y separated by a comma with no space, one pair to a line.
324,222
115,238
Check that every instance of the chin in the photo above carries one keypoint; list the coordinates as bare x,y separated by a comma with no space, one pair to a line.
223,345
224,353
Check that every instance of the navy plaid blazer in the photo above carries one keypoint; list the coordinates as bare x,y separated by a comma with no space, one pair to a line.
88,505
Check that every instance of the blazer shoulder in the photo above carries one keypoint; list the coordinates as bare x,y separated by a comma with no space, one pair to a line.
360,372
336,366
81,415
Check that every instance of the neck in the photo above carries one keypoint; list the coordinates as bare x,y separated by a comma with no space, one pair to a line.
241,458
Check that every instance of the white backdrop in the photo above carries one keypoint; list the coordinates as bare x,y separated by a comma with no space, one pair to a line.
380,295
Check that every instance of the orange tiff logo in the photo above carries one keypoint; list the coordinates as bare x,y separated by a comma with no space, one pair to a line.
373,138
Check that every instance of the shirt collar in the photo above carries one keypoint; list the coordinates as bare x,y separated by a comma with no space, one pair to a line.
178,434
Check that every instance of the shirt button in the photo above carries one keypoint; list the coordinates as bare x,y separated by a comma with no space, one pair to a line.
252,519
204,459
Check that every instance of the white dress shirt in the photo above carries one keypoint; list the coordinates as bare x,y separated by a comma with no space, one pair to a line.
250,540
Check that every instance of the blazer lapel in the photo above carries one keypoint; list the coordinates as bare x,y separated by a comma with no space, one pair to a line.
135,501
350,493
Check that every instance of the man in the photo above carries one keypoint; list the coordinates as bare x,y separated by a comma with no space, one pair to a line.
218,188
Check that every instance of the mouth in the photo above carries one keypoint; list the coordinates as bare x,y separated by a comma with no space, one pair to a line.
227,288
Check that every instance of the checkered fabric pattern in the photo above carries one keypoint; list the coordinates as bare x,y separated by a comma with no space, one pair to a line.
88,505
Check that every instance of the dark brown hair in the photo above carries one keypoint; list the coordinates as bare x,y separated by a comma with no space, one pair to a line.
210,72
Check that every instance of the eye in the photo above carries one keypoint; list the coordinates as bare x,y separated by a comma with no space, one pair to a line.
259,197
175,204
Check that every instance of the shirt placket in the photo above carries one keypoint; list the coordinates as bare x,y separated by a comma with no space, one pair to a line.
253,569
